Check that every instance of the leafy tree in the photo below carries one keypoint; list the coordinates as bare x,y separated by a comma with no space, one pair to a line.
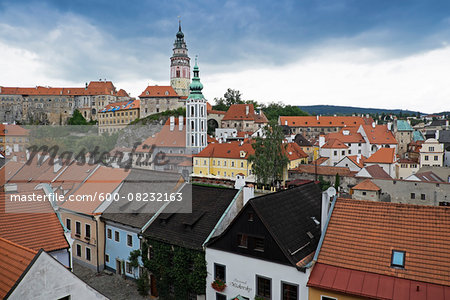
274,110
269,160
77,119
230,97
324,185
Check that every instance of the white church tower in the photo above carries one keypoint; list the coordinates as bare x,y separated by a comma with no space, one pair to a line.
196,119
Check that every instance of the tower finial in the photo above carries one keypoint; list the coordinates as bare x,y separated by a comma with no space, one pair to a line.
196,57
179,23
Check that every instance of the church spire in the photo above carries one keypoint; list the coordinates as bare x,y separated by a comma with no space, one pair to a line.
196,86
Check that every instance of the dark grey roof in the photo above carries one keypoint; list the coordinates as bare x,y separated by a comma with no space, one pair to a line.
190,230
288,216
444,136
137,213
301,140
438,123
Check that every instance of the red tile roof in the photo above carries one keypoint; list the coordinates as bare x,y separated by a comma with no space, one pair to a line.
382,156
9,170
239,112
104,180
294,151
320,160
227,150
13,130
32,224
374,286
14,260
379,135
166,137
354,159
323,121
351,135
159,91
119,106
362,234
334,144
94,88
366,185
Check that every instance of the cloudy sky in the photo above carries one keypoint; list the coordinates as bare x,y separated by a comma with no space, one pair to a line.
369,53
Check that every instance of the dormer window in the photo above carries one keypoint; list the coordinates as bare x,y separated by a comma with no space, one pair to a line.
398,259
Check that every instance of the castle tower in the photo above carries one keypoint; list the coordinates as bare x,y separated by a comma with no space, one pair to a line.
180,69
196,119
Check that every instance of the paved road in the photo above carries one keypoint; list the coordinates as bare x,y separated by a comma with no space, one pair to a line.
112,286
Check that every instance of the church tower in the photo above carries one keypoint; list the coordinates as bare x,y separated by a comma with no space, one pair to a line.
196,119
180,69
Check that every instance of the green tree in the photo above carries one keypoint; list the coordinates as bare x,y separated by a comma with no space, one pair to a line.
324,185
230,97
337,182
269,160
77,119
274,110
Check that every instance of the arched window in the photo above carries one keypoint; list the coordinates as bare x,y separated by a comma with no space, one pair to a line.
192,125
192,111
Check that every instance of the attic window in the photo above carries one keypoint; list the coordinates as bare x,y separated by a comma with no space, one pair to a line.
398,259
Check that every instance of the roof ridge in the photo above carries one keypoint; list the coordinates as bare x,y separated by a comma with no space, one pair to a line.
19,246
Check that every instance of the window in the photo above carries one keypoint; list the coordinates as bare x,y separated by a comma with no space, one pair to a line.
335,153
109,233
88,254
242,240
327,298
436,157
88,231
117,236
398,259
77,228
68,224
220,297
290,291
219,272
413,196
150,252
79,250
343,152
129,240
426,157
263,287
250,217
431,149
128,268
259,244
242,164
107,258
364,193
422,196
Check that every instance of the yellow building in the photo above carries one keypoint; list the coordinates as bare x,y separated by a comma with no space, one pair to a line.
226,160
118,115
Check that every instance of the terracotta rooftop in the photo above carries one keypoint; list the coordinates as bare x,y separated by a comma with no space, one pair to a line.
374,171
9,170
323,121
366,185
239,112
103,180
13,130
382,156
334,144
94,88
379,134
346,135
118,106
166,137
294,151
227,150
32,224
354,159
361,236
14,260
429,176
159,91
320,160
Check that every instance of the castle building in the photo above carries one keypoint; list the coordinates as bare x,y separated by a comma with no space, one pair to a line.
180,70
196,119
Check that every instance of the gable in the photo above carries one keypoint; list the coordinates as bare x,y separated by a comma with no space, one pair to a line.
228,241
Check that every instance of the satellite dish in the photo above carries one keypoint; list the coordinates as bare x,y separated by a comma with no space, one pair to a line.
331,191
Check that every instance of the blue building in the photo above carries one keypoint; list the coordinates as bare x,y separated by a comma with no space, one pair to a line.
125,219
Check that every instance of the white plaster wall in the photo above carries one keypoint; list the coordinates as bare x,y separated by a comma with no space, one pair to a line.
241,274
62,256
48,279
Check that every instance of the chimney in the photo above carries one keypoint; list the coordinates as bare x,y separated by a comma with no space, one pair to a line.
326,195
358,157
285,122
373,124
180,123
172,123
317,117
321,140
86,86
389,126
367,116
248,193
446,122
437,134
57,165
247,110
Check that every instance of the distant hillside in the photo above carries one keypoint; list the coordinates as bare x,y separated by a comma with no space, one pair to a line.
348,110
